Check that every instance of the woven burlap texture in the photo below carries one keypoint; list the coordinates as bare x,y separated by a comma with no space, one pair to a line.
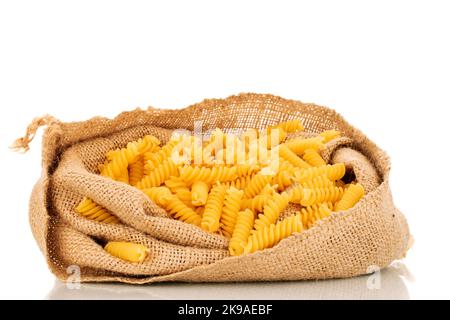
350,243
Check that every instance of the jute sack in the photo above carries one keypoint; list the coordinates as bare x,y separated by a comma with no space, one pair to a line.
370,235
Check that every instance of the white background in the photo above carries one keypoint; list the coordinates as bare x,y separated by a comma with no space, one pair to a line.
384,65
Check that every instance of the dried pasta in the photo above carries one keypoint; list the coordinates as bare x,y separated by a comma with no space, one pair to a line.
213,209
317,195
136,171
299,145
257,183
272,210
311,214
350,197
231,207
270,235
290,156
290,126
199,193
236,185
162,172
241,232
129,251
329,135
90,210
313,158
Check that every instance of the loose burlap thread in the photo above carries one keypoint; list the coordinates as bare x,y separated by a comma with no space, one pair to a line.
346,244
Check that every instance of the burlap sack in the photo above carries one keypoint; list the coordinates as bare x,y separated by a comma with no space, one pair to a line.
373,233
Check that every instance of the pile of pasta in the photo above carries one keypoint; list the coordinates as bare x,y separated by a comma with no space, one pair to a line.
234,184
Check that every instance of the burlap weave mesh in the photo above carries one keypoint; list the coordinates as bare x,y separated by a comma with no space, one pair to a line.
346,244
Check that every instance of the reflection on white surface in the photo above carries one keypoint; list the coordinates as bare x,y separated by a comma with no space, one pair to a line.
387,284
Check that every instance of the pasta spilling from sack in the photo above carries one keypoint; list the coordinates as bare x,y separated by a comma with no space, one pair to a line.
238,185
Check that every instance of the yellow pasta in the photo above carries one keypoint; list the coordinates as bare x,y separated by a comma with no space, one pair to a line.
256,203
120,160
181,211
295,193
290,156
240,183
320,181
162,172
213,209
199,193
190,174
159,195
330,135
312,157
257,183
350,197
136,171
283,180
154,159
290,126
267,190
271,235
317,195
148,143
231,207
129,251
235,185
243,170
272,210
299,145
332,172
175,184
311,214
90,210
241,232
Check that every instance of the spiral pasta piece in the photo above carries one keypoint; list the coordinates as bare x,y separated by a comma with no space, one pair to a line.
295,193
299,145
243,170
271,235
159,195
256,203
311,214
148,143
290,126
175,184
136,171
313,158
241,232
329,135
272,210
290,156
319,182
351,196
190,174
154,159
268,190
117,168
199,193
161,173
181,211
213,209
283,180
332,172
240,183
92,211
272,137
231,207
256,184
317,195
129,251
